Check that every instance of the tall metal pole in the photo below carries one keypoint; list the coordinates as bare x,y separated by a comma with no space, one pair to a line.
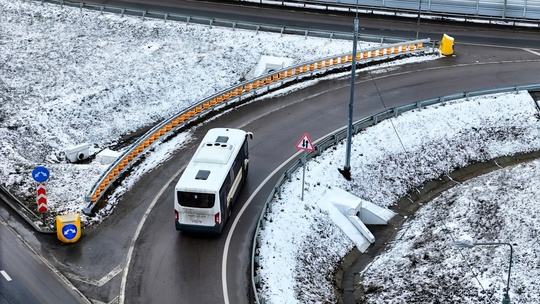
347,169
418,21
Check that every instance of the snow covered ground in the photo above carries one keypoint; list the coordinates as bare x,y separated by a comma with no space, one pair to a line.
421,266
71,76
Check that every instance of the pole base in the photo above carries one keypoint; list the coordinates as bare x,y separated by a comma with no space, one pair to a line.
346,172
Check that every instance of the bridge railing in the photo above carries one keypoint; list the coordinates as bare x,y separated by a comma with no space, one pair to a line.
511,12
252,26
334,139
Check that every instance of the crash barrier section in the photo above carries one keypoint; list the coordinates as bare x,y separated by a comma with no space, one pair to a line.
515,13
333,140
447,45
236,94
251,26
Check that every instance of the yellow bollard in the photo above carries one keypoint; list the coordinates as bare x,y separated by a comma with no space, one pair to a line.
447,45
68,227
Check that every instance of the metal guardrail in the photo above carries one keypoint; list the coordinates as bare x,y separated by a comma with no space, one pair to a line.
222,22
236,94
506,11
334,139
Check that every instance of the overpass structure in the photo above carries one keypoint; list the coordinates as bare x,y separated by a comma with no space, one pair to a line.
510,12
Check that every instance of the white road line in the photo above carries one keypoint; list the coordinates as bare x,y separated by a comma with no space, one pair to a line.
136,236
6,276
533,52
62,277
237,219
100,282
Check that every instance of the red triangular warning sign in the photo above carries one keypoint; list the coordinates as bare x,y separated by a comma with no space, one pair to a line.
305,143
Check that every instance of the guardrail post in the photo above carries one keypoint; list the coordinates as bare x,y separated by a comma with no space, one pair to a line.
317,151
166,16
258,241
122,12
278,190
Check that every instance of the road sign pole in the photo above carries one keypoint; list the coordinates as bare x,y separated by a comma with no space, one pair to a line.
41,198
306,145
40,175
303,173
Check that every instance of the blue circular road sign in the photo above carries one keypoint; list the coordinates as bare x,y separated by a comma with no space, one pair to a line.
69,231
40,174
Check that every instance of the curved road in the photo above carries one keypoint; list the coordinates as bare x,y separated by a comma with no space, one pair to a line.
170,265
165,266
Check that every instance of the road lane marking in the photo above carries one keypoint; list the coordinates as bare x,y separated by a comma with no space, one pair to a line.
104,280
47,263
122,296
532,52
5,275
248,202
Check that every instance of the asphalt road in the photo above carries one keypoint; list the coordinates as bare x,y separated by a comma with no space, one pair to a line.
170,266
24,277
370,24
164,266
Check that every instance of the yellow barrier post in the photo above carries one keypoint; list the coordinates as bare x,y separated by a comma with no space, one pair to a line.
447,45
68,227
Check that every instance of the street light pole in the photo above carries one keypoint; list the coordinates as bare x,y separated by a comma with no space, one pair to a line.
506,299
346,172
418,21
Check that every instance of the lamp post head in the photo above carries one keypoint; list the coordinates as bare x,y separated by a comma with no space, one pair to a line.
463,244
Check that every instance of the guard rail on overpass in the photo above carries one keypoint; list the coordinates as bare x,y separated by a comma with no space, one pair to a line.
509,12
220,22
333,140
